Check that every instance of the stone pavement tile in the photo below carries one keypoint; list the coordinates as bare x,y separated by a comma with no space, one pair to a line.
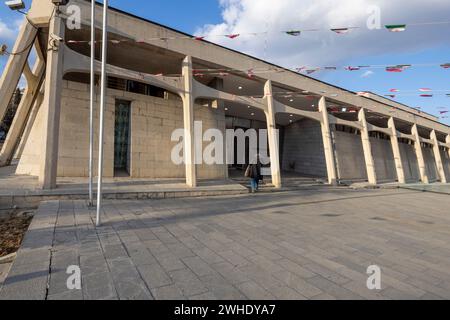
98,286
198,266
296,268
204,297
265,263
221,288
67,295
360,288
155,246
301,286
429,288
139,254
27,282
430,297
395,294
154,276
188,282
231,273
93,264
233,258
333,289
208,255
180,250
115,251
169,262
286,293
171,292
132,289
32,257
327,273
58,281
323,297
191,242
402,286
254,292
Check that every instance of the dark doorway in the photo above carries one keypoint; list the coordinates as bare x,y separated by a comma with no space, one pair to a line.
122,139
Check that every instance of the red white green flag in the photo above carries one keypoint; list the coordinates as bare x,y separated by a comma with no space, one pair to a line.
341,30
396,27
294,33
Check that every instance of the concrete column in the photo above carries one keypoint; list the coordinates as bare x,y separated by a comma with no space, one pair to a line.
15,65
419,154
370,164
447,140
30,122
51,106
437,157
272,131
34,80
396,151
328,143
188,116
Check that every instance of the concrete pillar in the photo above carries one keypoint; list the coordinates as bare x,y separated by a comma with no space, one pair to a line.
367,148
447,140
437,157
188,116
328,143
30,122
396,152
34,80
272,131
419,154
15,65
51,105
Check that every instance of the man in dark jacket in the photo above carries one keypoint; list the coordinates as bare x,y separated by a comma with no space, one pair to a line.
254,173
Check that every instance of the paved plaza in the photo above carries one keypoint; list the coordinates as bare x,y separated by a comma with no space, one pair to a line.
306,244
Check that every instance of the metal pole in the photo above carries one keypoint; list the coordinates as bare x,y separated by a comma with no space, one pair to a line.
91,110
102,109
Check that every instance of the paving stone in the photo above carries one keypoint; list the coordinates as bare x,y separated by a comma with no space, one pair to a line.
154,276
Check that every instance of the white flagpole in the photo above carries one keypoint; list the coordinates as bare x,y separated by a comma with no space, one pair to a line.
91,110
102,109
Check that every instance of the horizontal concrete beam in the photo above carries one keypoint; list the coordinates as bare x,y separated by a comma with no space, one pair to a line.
282,108
372,127
354,124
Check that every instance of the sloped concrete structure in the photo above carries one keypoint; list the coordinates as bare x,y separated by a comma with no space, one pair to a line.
154,88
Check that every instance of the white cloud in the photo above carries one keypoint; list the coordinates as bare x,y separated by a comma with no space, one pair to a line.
367,74
8,32
325,47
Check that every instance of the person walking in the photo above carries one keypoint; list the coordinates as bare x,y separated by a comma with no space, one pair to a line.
254,173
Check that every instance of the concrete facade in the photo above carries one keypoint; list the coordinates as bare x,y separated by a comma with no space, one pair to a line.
56,136
152,122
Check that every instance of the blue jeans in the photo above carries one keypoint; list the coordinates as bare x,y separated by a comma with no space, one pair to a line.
254,184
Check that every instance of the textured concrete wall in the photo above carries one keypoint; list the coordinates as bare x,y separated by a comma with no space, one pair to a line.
446,163
152,123
349,156
409,160
430,163
30,159
303,146
383,157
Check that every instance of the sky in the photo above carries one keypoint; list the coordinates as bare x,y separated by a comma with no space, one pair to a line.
422,44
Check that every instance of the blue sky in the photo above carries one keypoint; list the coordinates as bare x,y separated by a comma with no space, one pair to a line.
420,45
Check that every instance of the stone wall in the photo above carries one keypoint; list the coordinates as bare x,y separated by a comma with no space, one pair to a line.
152,123
303,147
349,153
383,157
430,164
445,156
409,161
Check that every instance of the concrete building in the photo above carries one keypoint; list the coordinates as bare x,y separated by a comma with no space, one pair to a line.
154,87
